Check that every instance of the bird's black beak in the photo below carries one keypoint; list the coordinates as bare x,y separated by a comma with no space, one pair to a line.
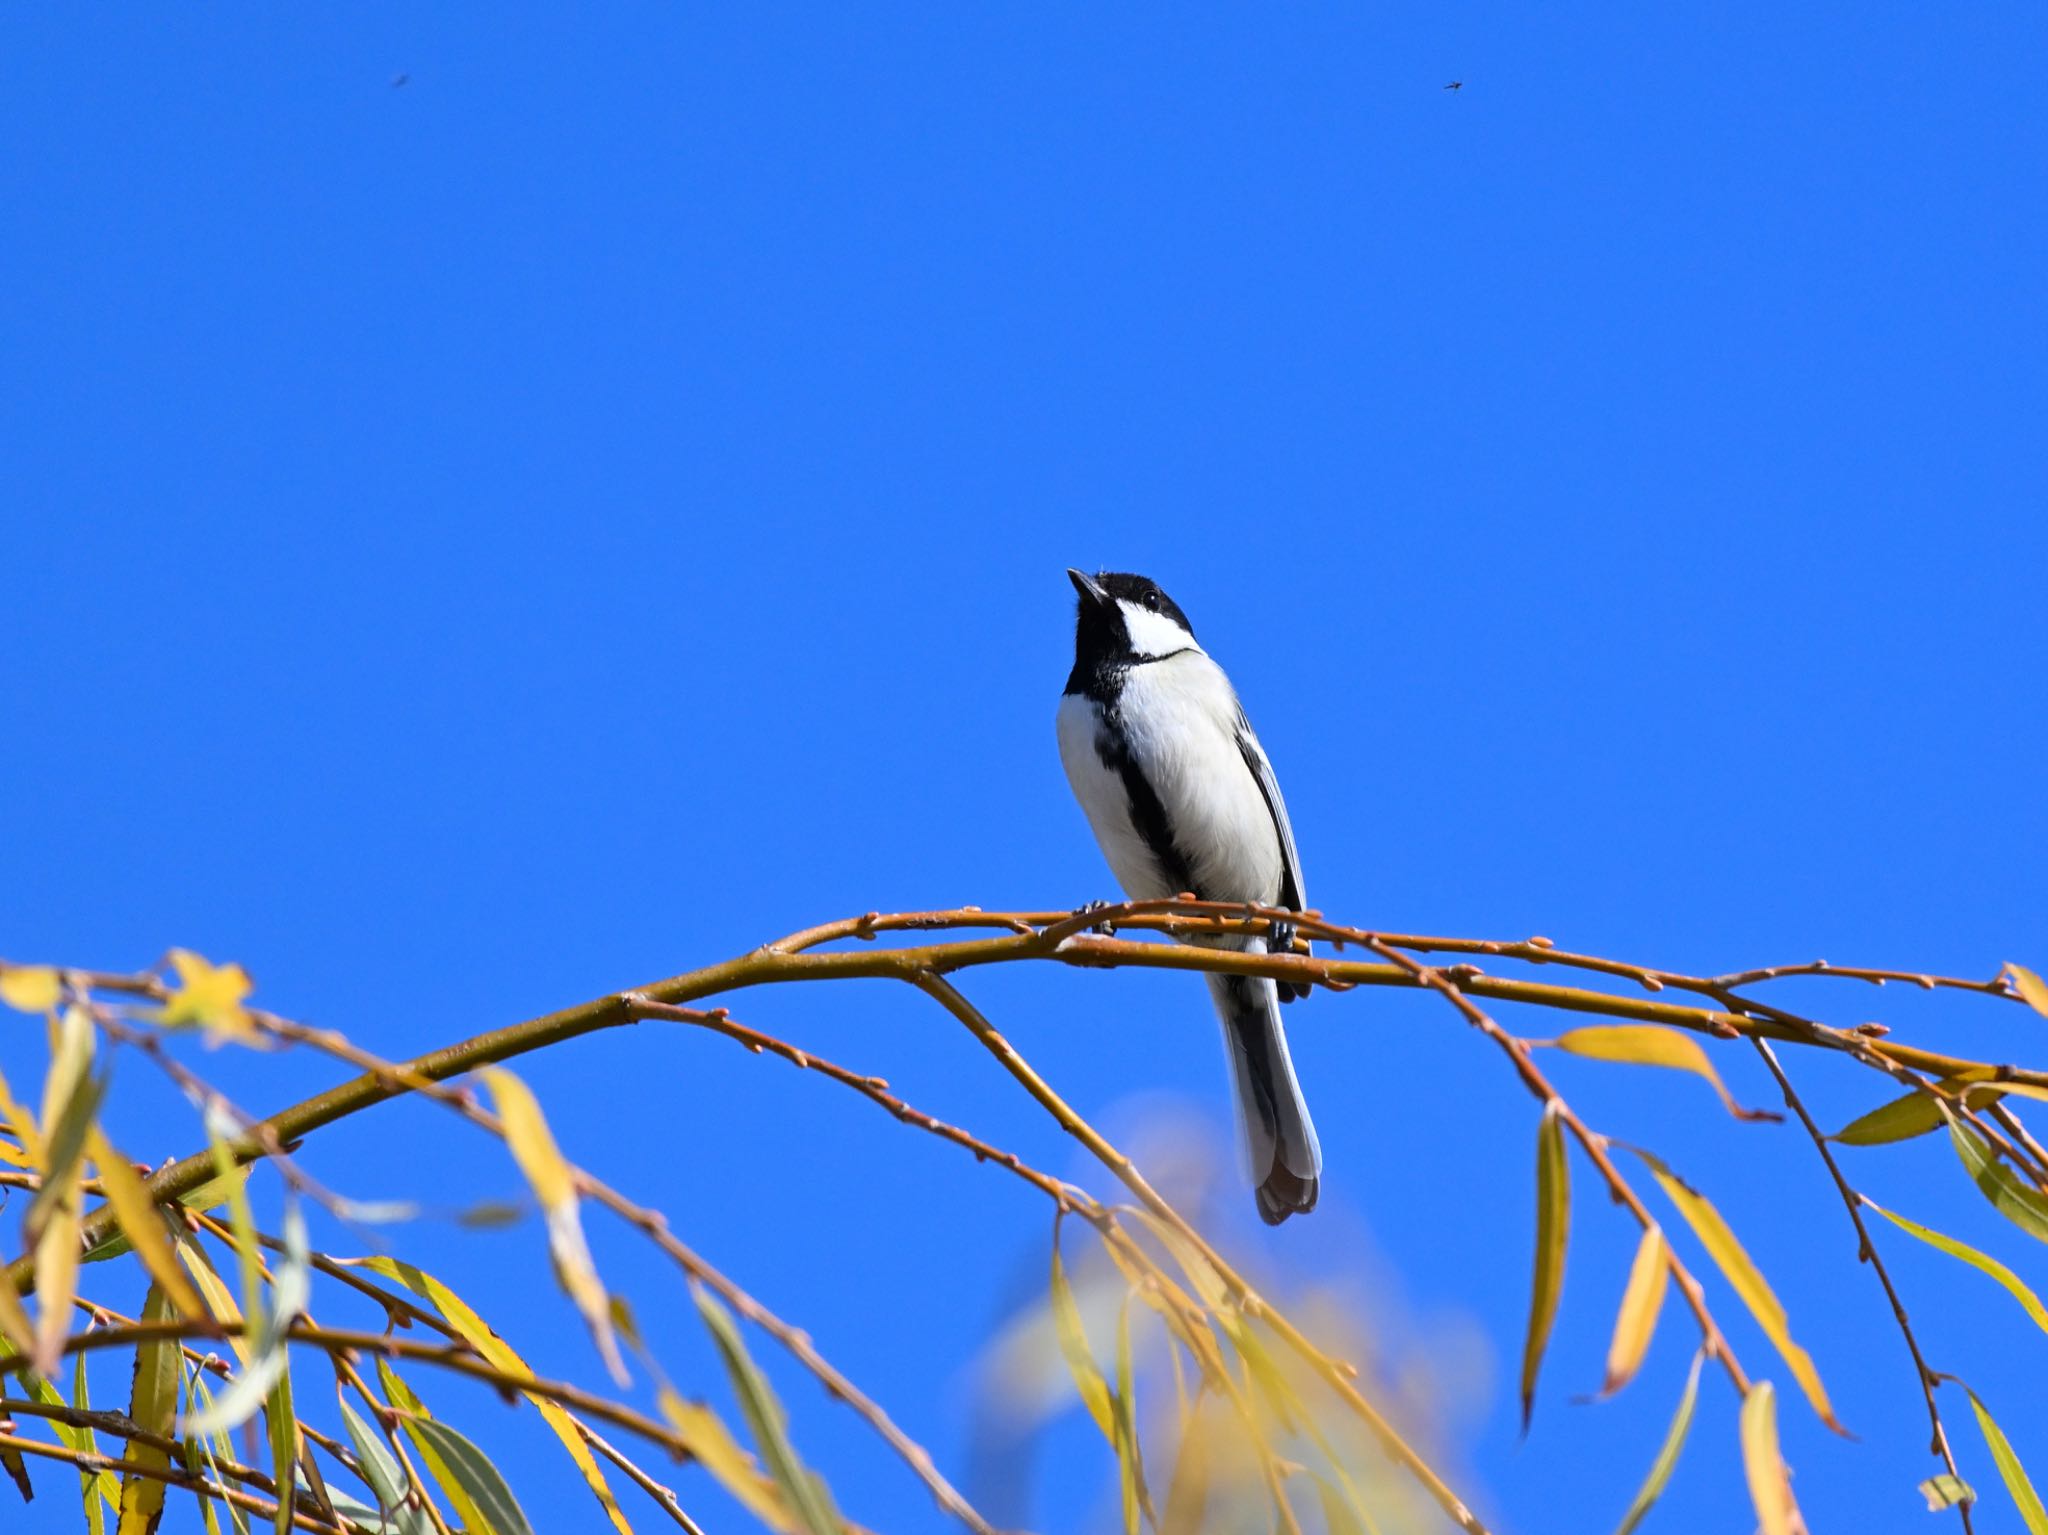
1087,587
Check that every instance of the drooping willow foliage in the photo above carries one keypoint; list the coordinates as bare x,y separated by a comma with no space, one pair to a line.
1269,1427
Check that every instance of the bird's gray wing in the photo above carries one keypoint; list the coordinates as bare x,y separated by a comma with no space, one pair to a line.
1292,895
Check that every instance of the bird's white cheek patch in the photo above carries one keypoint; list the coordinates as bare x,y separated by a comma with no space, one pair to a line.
1153,634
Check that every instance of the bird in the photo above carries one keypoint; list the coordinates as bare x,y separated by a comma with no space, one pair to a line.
1455,85
1182,798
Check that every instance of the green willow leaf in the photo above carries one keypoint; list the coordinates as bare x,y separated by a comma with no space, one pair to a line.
2010,1470
1899,1120
1667,1457
383,1475
765,1418
1553,1230
472,1469
2014,1285
2013,1197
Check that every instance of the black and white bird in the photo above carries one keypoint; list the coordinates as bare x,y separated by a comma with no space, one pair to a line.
1182,798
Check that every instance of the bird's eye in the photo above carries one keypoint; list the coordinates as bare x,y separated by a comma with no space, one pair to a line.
1152,602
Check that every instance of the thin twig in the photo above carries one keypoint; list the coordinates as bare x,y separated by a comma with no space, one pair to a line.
1866,1252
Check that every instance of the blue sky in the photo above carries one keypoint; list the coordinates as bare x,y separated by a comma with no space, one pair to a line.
478,543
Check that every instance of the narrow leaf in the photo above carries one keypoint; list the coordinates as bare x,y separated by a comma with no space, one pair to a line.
2016,1199
1133,1468
498,1510
1899,1120
283,1424
71,1096
554,1183
478,1334
1073,1341
1553,1230
764,1415
2017,1483
16,1467
2014,1285
99,1489
153,1405
1747,1279
2027,984
30,988
712,1443
266,1363
1641,1300
412,1410
1667,1456
56,1271
144,1227
383,1475
1770,1489
1649,1044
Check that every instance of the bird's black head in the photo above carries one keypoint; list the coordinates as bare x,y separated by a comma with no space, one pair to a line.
1124,620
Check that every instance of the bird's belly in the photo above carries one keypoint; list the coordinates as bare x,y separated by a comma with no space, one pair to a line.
1180,729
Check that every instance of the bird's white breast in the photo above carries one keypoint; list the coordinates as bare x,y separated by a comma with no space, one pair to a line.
1180,723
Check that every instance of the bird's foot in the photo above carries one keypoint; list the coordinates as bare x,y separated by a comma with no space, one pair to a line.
1107,929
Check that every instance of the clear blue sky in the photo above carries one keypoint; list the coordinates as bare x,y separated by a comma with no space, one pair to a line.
478,543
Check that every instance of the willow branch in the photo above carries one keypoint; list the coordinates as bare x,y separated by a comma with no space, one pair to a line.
89,1460
1336,1375
1595,1146
1866,1252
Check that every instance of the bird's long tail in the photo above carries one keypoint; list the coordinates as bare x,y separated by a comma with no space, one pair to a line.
1279,1140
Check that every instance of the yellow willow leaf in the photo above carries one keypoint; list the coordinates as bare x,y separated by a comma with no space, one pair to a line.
1982,1262
731,1466
1553,1230
1770,1489
554,1184
1747,1279
2010,1471
16,1330
210,996
71,1097
1648,1044
1128,1460
1636,1322
30,988
2030,986
1073,1340
23,1125
1667,1455
56,1269
219,1300
153,1406
1183,1318
144,1226
494,1349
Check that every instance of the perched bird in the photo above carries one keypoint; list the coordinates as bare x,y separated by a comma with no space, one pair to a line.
1182,798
